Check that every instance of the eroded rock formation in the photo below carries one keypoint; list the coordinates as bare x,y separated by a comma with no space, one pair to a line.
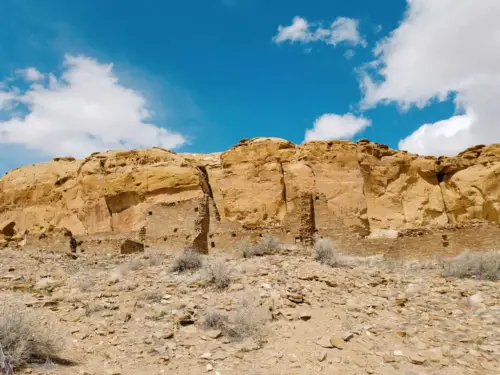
262,185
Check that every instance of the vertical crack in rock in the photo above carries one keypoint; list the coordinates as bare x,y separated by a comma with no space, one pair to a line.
108,206
210,191
441,176
283,187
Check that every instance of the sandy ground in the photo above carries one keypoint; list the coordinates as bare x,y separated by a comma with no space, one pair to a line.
132,315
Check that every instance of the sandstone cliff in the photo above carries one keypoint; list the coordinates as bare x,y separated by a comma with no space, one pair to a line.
259,185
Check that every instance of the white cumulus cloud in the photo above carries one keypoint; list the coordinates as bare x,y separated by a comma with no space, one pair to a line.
442,48
83,110
331,126
31,74
342,30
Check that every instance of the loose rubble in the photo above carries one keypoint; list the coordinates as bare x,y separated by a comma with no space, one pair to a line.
365,318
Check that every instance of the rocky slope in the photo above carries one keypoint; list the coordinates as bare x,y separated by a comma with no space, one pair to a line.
117,315
262,183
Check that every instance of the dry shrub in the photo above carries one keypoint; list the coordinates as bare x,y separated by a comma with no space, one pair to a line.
23,340
266,246
247,320
217,273
324,252
478,265
187,260
216,320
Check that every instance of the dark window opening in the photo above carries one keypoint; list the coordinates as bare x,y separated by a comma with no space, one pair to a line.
196,209
150,213
212,244
175,230
233,234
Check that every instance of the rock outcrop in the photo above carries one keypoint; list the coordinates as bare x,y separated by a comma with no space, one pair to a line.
259,185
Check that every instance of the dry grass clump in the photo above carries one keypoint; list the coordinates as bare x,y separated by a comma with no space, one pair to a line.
187,260
266,246
23,340
477,265
247,320
216,320
218,273
324,252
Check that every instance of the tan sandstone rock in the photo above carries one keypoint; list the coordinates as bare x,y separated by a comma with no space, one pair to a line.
260,186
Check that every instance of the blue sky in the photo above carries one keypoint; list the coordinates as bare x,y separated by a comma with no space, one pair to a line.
210,72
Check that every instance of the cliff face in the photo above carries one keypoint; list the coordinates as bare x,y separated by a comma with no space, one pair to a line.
259,184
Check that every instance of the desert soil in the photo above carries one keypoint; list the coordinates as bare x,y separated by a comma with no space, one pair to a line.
132,315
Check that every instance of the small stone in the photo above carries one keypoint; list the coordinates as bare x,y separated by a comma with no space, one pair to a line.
185,320
401,301
322,356
295,298
164,358
305,316
162,335
209,368
475,299
398,353
324,342
388,358
416,359
346,336
337,342
236,287
214,333
401,333
206,355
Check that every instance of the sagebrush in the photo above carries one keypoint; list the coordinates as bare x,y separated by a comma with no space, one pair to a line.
478,265
247,320
324,252
23,340
217,273
266,246
187,260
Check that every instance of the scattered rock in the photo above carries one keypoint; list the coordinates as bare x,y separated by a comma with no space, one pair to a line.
305,316
236,287
214,333
416,359
295,297
337,342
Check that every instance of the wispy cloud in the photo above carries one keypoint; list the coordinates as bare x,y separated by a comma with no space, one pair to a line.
342,30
